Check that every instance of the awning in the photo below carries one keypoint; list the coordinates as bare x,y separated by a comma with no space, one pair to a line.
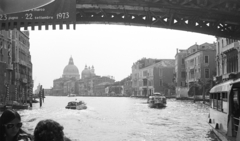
223,87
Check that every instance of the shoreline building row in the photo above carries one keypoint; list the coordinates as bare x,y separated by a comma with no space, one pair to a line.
89,84
15,66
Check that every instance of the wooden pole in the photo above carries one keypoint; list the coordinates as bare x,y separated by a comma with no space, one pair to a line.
40,96
30,94
194,92
43,95
203,93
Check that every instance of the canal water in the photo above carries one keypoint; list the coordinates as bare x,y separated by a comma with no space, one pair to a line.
123,119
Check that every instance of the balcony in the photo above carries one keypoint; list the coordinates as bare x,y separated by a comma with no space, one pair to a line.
232,75
22,63
192,67
230,46
192,80
10,67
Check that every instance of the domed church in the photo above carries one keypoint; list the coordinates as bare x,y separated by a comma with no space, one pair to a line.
67,83
71,71
70,82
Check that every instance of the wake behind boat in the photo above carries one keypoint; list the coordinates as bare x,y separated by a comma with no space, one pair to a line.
157,100
76,105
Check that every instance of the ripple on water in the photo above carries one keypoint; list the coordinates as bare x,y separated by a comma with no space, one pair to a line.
124,119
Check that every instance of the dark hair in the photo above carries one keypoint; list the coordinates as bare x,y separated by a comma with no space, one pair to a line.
48,130
9,115
6,117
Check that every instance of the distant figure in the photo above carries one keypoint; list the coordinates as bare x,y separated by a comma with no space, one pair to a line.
49,130
10,127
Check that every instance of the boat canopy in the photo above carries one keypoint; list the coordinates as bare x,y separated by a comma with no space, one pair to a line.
223,87
236,81
157,94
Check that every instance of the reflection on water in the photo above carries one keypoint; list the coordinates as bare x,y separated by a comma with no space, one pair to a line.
123,119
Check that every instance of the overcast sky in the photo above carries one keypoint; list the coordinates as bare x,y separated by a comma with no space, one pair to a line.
111,49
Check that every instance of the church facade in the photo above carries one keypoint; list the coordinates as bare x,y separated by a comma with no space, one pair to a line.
89,84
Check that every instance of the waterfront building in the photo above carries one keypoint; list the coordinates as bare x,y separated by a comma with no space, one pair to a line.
136,81
94,85
180,74
127,86
200,68
47,92
99,89
5,63
153,76
22,64
16,65
227,59
100,83
165,70
120,88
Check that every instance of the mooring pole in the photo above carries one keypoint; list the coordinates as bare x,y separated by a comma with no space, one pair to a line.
40,96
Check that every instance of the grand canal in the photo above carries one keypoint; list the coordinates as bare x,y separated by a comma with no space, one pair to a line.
123,119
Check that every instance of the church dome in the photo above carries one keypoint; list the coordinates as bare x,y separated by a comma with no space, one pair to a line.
71,70
88,72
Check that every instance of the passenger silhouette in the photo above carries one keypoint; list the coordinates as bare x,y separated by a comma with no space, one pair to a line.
10,127
49,130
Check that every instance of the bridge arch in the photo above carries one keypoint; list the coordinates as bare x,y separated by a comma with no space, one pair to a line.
212,17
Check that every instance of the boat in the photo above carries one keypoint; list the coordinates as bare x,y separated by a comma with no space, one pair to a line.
18,106
76,105
157,100
224,110
4,107
71,95
33,101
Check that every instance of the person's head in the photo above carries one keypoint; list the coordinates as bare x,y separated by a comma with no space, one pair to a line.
48,130
10,123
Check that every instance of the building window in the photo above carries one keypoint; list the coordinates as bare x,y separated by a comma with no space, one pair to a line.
160,72
150,72
182,61
183,84
145,73
160,82
207,73
183,74
206,59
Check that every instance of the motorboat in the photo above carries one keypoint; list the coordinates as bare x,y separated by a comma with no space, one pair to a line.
16,105
71,95
4,107
224,110
157,100
76,105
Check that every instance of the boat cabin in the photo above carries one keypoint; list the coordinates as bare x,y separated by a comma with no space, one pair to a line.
157,94
224,108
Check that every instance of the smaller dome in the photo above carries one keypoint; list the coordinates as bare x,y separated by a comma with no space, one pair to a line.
87,72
